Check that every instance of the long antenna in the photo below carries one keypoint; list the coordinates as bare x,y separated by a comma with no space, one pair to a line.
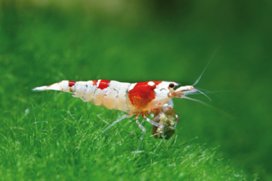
206,67
204,94
210,106
198,101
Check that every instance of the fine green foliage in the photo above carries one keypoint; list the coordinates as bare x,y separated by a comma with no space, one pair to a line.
54,141
50,136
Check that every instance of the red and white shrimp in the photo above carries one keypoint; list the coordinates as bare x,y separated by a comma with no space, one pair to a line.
135,99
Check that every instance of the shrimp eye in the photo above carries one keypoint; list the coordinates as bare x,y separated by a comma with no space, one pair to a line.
171,85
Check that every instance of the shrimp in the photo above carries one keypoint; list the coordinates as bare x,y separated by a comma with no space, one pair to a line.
134,99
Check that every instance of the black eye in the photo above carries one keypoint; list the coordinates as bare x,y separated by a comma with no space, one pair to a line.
171,85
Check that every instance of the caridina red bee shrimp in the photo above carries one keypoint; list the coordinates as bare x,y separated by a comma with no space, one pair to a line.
151,100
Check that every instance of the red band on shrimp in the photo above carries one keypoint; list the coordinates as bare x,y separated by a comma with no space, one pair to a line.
71,83
142,93
103,84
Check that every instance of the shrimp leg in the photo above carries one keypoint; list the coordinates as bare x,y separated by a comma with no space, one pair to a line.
152,122
143,134
117,121
141,126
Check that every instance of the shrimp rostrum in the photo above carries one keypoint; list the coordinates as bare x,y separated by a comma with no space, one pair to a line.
151,100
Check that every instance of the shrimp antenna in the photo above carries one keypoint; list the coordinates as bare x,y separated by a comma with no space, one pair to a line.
204,94
197,100
217,91
205,68
202,73
208,105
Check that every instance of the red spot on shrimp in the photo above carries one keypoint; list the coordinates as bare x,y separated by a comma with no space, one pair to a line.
71,83
142,94
103,84
94,82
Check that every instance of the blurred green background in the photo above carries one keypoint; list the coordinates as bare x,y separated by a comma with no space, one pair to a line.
45,41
